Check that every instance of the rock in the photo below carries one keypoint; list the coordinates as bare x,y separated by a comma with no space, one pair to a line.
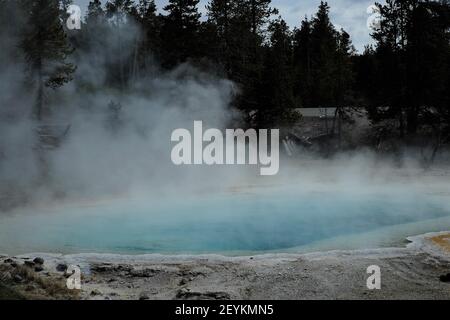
188,295
123,268
186,273
29,264
61,267
38,260
38,268
183,282
102,267
30,288
144,296
95,292
445,278
108,267
145,273
5,276
18,278
9,260
13,264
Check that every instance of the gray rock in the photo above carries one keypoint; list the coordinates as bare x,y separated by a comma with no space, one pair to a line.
145,273
445,278
29,264
61,267
102,267
38,268
5,276
187,294
144,296
38,260
30,288
9,260
95,292
18,278
108,267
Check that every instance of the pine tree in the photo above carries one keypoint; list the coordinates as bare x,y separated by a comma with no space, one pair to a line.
391,41
46,49
222,22
277,94
409,65
258,13
180,31
249,31
345,76
427,55
95,14
92,37
118,12
221,13
302,63
150,24
323,54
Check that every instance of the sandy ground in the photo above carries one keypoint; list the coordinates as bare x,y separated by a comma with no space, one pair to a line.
412,272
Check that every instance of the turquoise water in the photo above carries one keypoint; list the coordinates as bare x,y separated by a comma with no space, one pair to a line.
226,223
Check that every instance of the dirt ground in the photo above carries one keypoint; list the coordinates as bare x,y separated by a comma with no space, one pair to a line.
418,271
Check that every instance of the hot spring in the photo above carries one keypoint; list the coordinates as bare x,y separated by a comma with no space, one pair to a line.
269,220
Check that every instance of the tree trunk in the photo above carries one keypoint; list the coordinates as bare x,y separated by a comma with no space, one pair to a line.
412,122
39,106
402,123
253,14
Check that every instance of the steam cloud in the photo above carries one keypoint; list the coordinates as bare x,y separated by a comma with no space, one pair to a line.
119,142
116,141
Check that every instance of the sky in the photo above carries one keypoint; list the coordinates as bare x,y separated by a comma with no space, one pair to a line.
348,14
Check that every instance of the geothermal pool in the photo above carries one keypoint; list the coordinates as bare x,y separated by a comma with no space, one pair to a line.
241,223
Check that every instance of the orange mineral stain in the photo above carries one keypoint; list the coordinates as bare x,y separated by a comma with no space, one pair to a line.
442,241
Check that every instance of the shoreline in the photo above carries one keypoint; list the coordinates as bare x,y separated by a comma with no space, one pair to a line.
410,272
